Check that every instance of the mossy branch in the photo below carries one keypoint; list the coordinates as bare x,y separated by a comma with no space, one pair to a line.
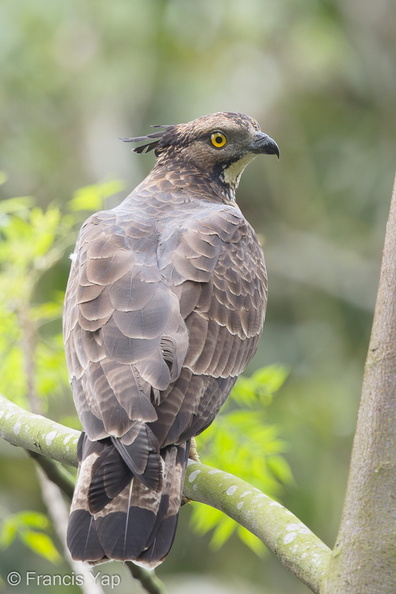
295,545
298,549
37,434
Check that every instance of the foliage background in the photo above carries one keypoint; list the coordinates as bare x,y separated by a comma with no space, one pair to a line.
319,75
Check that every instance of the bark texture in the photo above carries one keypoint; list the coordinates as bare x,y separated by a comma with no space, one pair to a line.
364,558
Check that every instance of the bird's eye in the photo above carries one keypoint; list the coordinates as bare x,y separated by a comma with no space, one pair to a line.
218,139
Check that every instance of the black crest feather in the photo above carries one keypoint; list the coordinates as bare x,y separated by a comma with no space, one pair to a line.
153,138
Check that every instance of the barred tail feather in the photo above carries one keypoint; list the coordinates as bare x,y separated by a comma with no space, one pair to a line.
127,520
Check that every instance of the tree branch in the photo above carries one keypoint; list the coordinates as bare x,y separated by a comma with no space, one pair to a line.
55,473
58,512
298,549
37,434
45,441
364,559
295,545
150,582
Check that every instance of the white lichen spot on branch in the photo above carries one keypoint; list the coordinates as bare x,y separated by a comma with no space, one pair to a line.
245,493
193,476
294,531
298,527
289,537
49,438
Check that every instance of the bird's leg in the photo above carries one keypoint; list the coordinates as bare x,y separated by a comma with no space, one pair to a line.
193,451
193,455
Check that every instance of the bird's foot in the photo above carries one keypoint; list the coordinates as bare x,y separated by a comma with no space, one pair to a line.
193,451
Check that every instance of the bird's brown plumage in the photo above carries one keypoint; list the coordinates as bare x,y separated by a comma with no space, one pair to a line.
164,308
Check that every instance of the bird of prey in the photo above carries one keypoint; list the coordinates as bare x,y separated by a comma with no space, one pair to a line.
164,308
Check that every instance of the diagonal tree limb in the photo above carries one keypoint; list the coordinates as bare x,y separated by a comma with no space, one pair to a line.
45,441
55,473
37,434
58,513
297,548
295,545
150,582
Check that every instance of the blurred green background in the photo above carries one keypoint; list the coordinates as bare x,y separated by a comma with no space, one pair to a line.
320,77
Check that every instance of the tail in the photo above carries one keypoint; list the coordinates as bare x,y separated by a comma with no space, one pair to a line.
123,509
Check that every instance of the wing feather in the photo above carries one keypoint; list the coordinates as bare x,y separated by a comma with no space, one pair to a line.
164,309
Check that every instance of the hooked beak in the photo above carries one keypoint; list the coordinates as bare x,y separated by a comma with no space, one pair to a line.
264,144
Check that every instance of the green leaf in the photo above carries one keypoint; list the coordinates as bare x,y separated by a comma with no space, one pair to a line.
44,227
19,523
8,532
222,532
260,387
281,469
204,522
41,544
92,197
241,442
33,519
225,527
270,378
252,541
15,205
46,311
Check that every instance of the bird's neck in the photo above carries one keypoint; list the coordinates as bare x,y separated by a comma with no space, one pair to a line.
191,180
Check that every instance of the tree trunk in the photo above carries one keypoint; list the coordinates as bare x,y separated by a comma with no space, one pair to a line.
364,558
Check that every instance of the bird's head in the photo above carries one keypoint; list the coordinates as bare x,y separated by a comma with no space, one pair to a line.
220,144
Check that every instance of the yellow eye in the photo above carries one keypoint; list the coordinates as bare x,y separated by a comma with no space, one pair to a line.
218,139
